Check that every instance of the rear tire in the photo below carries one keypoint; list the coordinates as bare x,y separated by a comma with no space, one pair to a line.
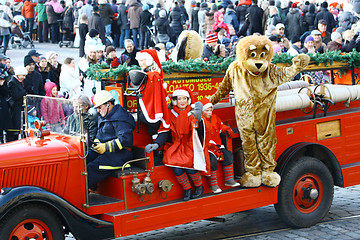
305,192
31,221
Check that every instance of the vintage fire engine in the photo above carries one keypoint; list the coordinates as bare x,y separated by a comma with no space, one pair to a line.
43,177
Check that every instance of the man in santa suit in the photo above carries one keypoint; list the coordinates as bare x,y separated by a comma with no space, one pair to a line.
217,150
153,102
188,153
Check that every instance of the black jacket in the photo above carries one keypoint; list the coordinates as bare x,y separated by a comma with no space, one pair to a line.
162,26
146,19
96,23
255,17
195,19
17,92
5,117
34,84
309,18
207,52
177,19
326,15
132,56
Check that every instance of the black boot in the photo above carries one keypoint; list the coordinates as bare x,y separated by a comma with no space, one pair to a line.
198,191
187,194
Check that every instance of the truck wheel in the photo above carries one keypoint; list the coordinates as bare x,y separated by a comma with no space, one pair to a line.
305,192
31,222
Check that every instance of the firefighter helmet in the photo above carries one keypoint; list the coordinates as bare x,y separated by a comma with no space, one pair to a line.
102,97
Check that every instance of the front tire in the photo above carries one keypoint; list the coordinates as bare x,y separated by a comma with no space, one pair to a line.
305,192
31,222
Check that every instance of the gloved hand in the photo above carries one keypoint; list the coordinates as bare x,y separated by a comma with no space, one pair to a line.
151,147
198,110
230,133
100,148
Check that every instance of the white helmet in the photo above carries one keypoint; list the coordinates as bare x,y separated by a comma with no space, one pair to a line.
102,97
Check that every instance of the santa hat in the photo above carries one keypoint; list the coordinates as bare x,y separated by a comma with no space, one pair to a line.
206,103
184,91
150,55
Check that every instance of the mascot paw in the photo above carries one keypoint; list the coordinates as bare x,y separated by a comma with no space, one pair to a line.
270,179
301,60
250,180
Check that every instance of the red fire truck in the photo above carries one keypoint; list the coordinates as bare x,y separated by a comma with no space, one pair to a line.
43,177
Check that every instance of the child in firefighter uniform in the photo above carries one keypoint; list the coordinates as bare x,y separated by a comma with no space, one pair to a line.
187,154
217,151
114,139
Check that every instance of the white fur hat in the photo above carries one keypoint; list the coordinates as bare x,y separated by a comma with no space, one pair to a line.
146,56
89,48
20,70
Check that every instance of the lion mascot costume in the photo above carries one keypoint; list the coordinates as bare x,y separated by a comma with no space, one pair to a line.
189,46
254,80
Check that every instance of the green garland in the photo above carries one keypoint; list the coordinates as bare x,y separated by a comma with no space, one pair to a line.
216,65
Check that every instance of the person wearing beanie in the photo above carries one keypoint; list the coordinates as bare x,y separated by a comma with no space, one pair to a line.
111,57
320,46
281,39
309,45
217,151
211,41
180,154
294,22
93,33
327,16
203,11
295,46
163,31
33,82
95,22
146,19
336,42
17,93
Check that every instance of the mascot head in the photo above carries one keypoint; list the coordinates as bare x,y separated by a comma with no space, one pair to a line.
254,53
189,46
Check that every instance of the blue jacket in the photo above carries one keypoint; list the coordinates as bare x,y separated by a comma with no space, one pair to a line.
231,18
117,126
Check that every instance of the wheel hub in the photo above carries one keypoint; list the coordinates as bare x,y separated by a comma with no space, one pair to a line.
30,230
308,192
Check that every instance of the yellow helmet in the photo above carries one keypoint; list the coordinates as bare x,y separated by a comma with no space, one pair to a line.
102,97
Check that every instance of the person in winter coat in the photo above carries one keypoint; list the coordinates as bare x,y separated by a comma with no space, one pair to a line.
68,22
95,22
51,109
220,24
177,20
124,23
185,129
131,52
201,17
230,17
70,81
320,46
28,12
162,25
5,32
356,5
274,18
54,65
195,18
87,9
106,13
40,11
309,18
114,139
83,30
336,42
46,74
241,11
325,35
349,41
327,16
5,117
53,12
33,82
17,93
217,151
210,19
17,7
134,12
294,22
346,20
255,18
211,41
146,19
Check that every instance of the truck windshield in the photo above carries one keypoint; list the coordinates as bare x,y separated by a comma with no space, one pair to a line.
61,115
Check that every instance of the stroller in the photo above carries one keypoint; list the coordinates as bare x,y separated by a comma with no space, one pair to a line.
19,38
64,33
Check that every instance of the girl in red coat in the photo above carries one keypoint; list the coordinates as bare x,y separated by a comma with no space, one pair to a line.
187,154
217,151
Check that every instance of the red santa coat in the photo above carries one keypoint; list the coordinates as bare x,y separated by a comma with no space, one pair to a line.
186,149
217,127
153,102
